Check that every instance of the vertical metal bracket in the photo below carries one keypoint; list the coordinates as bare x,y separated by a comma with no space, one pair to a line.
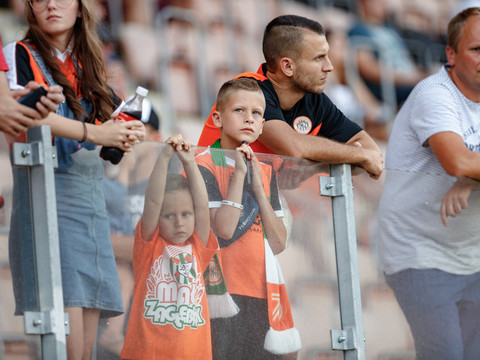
49,321
39,323
67,324
339,187
331,186
343,339
32,154
42,323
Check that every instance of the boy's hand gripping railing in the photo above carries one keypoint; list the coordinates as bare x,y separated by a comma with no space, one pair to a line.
49,321
351,338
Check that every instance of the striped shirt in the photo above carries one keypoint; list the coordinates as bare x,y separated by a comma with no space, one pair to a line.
411,233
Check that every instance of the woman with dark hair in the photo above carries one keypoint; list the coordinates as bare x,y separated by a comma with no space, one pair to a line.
61,47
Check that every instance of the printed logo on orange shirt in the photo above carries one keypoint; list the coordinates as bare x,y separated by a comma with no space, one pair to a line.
175,290
182,269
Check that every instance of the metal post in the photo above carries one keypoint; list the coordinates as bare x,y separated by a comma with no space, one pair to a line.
49,321
351,339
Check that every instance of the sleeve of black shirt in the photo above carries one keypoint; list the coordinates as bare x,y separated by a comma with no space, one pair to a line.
335,124
24,71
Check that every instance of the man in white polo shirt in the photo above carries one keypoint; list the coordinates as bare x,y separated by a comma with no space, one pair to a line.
429,223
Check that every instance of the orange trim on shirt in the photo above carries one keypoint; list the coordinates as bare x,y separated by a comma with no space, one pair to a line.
37,73
316,130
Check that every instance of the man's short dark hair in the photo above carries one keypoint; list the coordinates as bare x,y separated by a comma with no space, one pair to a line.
284,35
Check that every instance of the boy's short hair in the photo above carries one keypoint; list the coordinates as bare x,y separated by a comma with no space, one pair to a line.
176,182
247,84
284,36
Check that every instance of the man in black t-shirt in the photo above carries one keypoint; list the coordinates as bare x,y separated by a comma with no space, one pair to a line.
300,120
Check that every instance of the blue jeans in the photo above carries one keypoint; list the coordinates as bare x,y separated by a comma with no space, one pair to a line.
443,311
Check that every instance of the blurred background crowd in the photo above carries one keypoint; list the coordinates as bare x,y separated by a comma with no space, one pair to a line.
183,50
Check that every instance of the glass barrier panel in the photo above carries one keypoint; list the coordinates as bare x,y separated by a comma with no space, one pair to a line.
307,264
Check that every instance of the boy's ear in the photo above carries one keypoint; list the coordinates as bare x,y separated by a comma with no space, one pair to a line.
261,127
217,121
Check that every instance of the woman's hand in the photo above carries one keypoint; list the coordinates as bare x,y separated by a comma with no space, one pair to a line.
122,134
48,103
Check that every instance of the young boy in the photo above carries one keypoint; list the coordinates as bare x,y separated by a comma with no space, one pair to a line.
173,245
244,210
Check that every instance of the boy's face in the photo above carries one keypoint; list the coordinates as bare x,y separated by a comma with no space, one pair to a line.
241,118
177,217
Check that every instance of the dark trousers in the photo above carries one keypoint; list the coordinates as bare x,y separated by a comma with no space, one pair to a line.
242,336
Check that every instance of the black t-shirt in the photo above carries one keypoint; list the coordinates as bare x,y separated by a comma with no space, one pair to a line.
309,113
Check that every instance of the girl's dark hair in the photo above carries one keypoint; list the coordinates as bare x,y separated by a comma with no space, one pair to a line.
86,49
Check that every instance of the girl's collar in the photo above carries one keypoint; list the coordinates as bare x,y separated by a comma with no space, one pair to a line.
63,56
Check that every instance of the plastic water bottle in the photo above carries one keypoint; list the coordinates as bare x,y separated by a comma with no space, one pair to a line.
132,110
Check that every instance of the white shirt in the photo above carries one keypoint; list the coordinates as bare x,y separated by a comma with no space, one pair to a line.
410,230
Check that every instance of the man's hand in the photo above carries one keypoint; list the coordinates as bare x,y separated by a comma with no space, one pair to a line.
373,163
16,118
291,177
456,198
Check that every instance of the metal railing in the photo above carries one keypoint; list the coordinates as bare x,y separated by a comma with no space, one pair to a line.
49,320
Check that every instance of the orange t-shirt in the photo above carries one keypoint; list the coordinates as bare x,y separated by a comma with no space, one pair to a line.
243,261
169,317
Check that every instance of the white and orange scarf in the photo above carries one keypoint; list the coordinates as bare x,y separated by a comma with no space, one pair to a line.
282,337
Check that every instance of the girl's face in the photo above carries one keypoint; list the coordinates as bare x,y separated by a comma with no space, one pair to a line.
177,218
56,18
